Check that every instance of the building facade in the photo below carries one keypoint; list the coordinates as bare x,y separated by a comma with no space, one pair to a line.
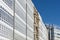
17,21
43,32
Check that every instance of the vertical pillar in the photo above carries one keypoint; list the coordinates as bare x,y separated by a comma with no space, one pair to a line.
26,20
13,18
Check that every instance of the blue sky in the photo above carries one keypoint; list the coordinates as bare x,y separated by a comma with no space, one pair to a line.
49,10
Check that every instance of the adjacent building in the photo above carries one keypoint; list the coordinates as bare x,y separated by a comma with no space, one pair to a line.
53,32
50,29
57,33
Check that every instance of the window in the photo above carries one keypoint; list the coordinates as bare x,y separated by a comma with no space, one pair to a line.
9,3
6,17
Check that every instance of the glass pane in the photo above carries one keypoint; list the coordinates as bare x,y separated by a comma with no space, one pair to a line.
30,20
6,20
9,3
22,3
20,20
